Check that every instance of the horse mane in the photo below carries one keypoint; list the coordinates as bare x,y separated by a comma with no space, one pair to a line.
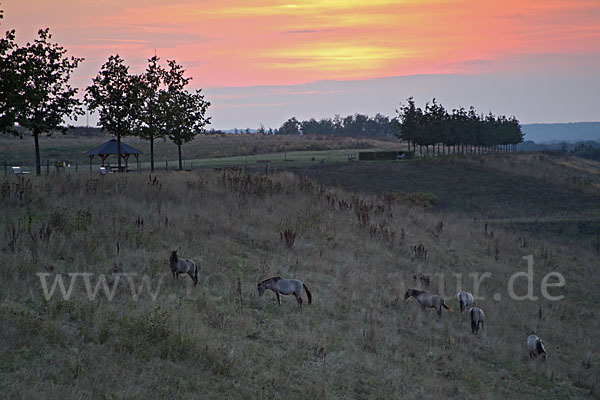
416,292
274,279
540,346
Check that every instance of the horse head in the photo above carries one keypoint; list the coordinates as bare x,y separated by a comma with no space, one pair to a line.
173,258
261,289
541,350
408,294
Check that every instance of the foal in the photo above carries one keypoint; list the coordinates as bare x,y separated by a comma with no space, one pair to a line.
428,300
477,317
285,286
183,266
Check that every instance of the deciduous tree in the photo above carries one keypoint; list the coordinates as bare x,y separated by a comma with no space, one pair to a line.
115,94
38,94
149,118
182,113
9,82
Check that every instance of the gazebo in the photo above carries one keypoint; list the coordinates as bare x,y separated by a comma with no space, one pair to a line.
106,149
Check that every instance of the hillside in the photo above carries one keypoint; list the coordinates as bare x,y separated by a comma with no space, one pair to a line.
355,251
562,132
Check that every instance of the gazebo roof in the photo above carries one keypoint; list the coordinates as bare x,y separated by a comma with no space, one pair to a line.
110,147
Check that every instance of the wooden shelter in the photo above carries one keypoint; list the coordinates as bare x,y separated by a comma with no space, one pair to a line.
106,149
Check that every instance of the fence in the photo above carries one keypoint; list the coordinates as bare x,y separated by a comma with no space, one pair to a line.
76,167
385,155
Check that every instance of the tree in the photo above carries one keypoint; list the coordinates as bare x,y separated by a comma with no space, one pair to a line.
310,127
182,114
149,117
9,83
39,96
290,127
116,95
409,117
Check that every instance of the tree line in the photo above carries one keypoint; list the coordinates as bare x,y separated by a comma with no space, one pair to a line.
459,131
430,128
35,96
352,125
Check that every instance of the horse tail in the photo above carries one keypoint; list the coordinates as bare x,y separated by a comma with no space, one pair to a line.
195,275
308,294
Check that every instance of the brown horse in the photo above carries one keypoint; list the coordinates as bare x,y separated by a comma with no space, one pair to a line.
428,300
285,286
183,266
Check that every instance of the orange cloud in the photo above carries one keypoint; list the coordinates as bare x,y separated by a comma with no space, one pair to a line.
241,43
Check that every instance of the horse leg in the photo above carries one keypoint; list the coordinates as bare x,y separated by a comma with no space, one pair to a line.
278,299
474,327
482,327
299,300
462,307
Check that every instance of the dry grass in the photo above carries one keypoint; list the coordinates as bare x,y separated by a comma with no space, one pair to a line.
354,252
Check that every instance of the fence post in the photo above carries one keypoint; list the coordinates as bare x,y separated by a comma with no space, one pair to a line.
47,167
166,165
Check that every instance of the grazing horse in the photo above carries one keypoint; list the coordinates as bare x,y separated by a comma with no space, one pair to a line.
183,266
477,317
285,286
428,300
465,299
535,345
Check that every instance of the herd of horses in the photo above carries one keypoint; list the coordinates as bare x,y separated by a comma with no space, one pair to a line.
282,286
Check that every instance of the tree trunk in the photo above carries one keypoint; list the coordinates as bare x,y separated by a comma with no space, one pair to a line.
152,154
36,140
119,151
179,150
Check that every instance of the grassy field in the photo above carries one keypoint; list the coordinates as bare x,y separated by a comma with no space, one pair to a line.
205,149
352,247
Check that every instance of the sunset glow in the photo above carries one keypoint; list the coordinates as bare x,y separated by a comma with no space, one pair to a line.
239,43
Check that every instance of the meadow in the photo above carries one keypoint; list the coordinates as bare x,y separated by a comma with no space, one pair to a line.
205,150
328,225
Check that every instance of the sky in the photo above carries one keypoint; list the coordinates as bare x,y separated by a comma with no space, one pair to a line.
262,62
